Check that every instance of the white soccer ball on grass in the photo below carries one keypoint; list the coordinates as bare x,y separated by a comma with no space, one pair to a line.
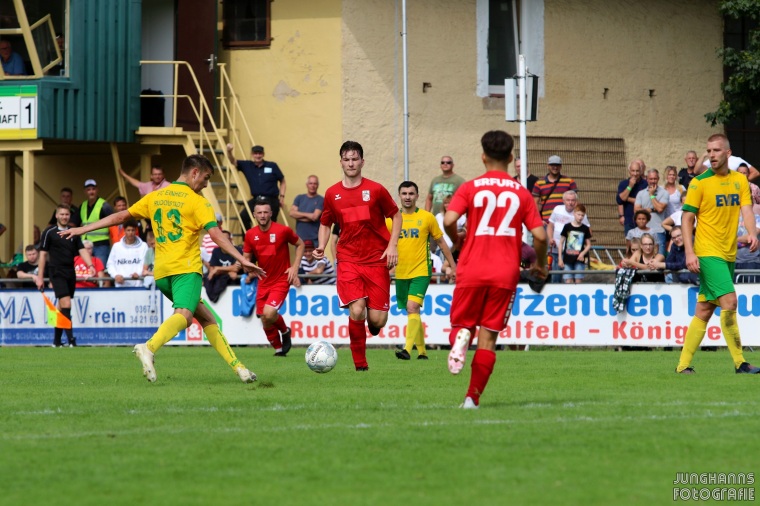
321,357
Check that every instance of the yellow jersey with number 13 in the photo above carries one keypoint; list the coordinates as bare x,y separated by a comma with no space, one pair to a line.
177,215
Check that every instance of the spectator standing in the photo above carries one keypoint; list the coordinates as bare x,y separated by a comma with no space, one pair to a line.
57,254
442,186
157,180
641,217
67,197
489,265
561,215
92,210
754,190
674,189
414,268
13,64
306,210
628,189
30,269
310,265
149,280
686,174
575,243
125,263
548,190
365,249
530,180
82,272
265,179
655,199
267,243
116,232
460,227
712,252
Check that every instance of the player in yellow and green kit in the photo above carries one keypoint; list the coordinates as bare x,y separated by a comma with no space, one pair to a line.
414,267
716,198
178,213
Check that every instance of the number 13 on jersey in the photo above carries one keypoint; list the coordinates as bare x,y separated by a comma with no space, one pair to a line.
173,222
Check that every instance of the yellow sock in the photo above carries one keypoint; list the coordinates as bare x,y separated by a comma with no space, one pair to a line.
419,339
220,344
694,335
731,333
170,328
411,330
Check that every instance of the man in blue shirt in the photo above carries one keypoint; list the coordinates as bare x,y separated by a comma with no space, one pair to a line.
263,178
306,210
13,64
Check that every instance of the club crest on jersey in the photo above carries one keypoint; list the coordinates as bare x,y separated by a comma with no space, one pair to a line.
272,237
365,195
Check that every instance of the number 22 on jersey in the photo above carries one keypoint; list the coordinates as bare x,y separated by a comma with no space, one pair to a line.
488,200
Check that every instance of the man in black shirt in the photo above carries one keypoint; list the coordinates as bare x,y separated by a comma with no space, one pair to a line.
29,271
263,177
58,255
67,197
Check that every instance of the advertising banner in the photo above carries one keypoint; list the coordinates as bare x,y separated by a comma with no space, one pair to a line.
563,315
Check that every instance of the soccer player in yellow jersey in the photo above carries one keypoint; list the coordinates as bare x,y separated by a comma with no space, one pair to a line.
715,198
414,267
178,213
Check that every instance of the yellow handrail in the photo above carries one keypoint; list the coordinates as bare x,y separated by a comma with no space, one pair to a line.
202,111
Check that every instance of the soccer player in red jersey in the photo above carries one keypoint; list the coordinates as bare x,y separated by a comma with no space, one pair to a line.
268,243
496,206
365,250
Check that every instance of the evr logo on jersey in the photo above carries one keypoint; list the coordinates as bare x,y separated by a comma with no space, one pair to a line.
365,195
731,199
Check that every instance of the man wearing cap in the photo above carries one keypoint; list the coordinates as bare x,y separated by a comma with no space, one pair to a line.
310,265
263,177
548,190
306,210
92,210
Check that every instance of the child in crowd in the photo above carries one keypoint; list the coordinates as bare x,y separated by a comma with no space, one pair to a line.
632,254
641,219
574,245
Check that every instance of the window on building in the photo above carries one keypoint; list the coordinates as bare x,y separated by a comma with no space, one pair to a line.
246,23
35,32
501,38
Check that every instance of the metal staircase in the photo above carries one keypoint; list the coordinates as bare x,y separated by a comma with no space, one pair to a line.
228,190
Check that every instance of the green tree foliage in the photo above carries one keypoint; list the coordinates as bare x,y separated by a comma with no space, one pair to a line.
741,91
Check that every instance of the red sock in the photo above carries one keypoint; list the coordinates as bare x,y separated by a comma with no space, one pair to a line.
357,332
273,336
453,334
280,324
482,367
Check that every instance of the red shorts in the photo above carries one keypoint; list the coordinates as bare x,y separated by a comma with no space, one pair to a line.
487,307
371,282
271,296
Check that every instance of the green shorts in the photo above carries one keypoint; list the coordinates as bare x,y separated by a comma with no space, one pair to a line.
411,289
184,290
716,278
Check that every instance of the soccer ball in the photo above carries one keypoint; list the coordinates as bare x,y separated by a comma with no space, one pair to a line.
321,357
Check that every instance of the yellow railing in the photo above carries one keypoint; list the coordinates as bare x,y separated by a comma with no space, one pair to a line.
210,142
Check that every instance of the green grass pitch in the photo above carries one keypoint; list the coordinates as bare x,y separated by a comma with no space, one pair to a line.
82,426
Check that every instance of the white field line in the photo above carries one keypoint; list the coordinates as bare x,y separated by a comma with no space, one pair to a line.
392,426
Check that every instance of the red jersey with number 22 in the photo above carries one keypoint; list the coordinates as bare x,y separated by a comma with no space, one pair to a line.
496,206
360,213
